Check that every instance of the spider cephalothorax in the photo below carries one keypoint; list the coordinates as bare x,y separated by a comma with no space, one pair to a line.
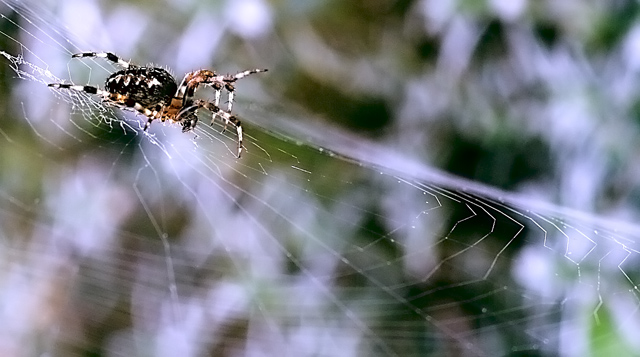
153,92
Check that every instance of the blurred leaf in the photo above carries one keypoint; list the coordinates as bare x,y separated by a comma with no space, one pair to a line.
605,339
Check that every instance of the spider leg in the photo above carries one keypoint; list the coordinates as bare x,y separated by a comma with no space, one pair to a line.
228,118
105,95
217,98
232,93
228,81
218,88
108,55
188,117
229,106
190,83
232,78
85,89
147,124
225,116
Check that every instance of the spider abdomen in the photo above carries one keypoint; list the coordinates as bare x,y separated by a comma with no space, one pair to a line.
150,87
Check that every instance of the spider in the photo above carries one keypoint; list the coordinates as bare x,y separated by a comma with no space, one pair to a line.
154,93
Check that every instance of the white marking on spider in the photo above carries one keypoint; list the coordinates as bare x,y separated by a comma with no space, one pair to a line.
154,82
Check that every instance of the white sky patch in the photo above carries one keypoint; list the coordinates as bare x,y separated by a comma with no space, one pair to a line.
84,20
126,25
509,10
198,43
249,18
533,270
631,48
437,13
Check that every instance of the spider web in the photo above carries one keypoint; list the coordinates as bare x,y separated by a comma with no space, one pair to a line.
316,242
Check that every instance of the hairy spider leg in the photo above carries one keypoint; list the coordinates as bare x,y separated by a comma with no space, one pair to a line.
193,80
108,55
105,95
147,113
229,79
231,89
216,111
218,88
85,89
